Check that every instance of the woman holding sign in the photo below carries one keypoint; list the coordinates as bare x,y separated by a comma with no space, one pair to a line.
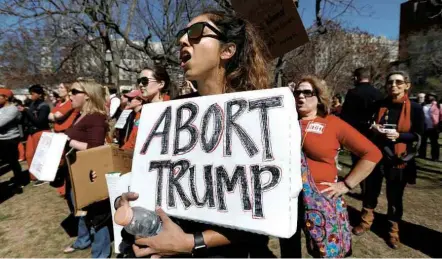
398,124
88,131
63,115
325,215
222,53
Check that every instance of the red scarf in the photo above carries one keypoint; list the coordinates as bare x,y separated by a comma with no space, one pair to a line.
404,124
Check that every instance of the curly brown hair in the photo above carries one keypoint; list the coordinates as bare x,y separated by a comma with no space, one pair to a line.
247,69
320,89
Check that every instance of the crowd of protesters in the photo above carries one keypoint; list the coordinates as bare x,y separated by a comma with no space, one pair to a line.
221,53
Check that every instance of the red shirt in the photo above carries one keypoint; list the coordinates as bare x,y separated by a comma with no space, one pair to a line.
64,108
323,137
91,129
130,143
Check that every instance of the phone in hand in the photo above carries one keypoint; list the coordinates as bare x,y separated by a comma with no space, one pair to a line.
389,128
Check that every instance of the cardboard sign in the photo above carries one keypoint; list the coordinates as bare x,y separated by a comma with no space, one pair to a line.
278,22
101,160
47,157
122,120
117,184
231,160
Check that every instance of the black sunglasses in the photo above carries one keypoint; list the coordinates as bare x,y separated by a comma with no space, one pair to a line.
75,92
398,82
145,80
306,93
195,32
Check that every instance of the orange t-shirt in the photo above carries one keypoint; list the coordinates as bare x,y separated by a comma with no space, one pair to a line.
63,109
130,143
323,137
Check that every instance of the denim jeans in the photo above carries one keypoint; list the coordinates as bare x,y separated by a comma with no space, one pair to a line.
100,240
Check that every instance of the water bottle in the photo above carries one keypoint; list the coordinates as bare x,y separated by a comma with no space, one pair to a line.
138,221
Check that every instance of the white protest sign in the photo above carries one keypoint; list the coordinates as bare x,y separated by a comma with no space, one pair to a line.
117,184
47,156
122,119
231,160
278,22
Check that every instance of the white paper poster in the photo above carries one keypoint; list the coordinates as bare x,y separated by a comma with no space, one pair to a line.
47,157
122,119
231,160
117,184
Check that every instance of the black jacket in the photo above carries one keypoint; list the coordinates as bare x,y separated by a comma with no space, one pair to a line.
360,105
36,117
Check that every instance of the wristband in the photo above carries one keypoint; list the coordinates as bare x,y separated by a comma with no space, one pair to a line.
200,248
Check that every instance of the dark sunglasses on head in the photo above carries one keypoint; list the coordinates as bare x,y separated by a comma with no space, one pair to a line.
306,93
195,32
398,82
76,91
144,80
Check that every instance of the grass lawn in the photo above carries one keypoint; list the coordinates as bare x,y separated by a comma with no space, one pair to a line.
30,222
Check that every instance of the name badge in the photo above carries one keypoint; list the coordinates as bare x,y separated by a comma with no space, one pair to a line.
315,127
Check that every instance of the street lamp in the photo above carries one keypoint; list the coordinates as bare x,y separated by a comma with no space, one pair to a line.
108,59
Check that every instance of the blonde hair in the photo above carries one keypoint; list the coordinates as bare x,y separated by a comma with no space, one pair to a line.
96,103
320,89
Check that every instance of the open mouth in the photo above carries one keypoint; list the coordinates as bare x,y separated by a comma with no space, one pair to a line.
185,57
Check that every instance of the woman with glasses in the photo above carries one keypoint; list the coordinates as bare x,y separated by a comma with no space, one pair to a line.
325,215
398,124
222,53
154,83
88,131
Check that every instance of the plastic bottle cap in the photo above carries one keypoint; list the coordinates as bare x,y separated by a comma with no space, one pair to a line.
124,215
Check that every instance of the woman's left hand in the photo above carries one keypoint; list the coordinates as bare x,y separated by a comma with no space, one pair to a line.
170,241
392,135
335,189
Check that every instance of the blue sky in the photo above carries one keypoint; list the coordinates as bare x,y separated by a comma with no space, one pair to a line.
379,17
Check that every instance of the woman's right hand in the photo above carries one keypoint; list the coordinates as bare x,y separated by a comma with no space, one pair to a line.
125,199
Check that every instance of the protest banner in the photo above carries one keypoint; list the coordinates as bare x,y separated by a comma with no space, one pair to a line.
122,119
101,160
278,22
231,160
47,157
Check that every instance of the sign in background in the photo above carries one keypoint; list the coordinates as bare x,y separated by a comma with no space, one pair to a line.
231,160
278,22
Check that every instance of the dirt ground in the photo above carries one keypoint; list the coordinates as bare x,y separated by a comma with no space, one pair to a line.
30,222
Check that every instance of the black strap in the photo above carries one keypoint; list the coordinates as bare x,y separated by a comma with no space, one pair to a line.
390,154
199,248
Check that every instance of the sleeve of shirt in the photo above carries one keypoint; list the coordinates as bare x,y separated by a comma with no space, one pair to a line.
357,143
42,116
115,103
130,143
8,114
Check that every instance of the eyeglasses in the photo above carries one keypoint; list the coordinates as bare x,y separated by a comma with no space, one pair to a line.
398,82
145,80
306,93
195,32
76,91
